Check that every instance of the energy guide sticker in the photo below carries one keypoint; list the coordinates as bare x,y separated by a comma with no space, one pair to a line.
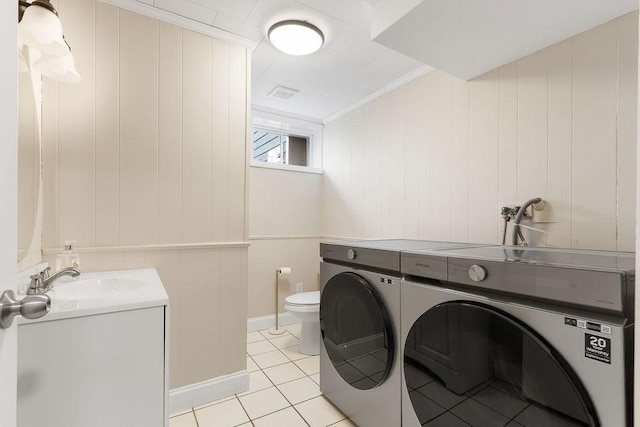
597,348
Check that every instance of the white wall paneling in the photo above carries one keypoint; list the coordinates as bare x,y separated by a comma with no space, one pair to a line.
145,159
595,139
285,211
560,124
627,129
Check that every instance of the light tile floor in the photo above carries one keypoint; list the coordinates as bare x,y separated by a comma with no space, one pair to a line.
283,390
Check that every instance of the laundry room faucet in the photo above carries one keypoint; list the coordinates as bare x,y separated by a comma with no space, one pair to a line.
518,218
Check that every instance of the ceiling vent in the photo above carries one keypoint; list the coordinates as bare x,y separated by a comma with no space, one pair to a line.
282,93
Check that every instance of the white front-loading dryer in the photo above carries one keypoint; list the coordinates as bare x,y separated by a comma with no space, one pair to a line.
517,337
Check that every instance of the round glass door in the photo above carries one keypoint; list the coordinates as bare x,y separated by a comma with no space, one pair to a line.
356,331
470,364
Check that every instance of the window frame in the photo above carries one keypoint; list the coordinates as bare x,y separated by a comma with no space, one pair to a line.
290,126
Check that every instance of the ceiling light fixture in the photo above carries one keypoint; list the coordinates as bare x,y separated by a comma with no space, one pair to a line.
296,37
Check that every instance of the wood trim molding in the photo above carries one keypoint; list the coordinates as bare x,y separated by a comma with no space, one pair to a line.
144,248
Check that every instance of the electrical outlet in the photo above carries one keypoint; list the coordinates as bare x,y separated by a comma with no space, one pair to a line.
299,287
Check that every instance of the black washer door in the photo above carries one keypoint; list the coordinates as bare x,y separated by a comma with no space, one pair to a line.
471,364
356,331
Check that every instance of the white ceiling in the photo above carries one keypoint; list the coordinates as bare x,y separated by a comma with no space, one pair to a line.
346,69
467,38
462,37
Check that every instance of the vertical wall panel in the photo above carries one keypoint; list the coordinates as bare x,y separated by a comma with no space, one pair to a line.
627,129
138,129
196,136
220,143
414,115
424,175
50,163
560,141
594,138
237,116
439,114
347,182
107,122
483,157
375,141
366,172
508,143
370,113
170,144
76,110
28,161
460,160
233,267
395,162
200,341
532,132
532,125
357,162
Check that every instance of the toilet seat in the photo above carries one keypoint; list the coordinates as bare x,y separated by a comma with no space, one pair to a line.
304,301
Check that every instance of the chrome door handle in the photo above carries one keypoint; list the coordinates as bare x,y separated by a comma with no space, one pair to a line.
30,307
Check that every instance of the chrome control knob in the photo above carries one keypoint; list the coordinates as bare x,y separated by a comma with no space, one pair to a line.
351,254
477,273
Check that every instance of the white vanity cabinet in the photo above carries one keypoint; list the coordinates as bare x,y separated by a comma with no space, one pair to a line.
107,369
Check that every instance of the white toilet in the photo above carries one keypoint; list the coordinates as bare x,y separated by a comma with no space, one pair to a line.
306,306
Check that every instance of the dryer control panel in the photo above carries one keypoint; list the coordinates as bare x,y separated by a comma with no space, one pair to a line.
603,291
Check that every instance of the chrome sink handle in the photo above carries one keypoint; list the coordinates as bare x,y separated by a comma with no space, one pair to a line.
30,307
35,286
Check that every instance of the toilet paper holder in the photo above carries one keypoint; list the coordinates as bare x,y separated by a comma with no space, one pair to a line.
282,271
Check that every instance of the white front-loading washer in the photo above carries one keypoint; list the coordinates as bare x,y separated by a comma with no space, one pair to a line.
360,371
506,336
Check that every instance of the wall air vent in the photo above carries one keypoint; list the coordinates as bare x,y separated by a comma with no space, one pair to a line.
282,93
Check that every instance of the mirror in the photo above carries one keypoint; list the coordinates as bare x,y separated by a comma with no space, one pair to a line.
29,170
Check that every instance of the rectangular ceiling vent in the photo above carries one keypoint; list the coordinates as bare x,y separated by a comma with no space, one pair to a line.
282,93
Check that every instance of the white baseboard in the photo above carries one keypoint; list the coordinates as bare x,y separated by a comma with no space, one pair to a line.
187,397
265,322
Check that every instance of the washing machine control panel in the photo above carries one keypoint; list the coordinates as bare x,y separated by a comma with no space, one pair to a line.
477,273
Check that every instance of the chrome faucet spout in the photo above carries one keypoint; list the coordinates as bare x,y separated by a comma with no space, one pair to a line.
69,271
43,282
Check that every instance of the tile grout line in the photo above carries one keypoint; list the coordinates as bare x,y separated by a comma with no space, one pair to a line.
276,387
291,405
195,417
243,408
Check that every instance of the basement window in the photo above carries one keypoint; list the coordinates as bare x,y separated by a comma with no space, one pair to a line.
279,147
287,143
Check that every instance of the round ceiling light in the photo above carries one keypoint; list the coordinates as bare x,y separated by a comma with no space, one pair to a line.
296,37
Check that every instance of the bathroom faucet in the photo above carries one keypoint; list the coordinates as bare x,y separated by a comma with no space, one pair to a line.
43,282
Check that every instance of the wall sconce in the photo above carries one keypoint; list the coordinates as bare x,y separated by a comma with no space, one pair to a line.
40,29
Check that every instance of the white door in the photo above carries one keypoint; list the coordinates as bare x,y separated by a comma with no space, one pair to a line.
8,203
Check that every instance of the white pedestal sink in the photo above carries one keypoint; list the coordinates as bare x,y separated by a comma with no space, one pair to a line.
99,358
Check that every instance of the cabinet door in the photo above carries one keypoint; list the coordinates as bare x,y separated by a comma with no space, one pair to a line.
100,371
